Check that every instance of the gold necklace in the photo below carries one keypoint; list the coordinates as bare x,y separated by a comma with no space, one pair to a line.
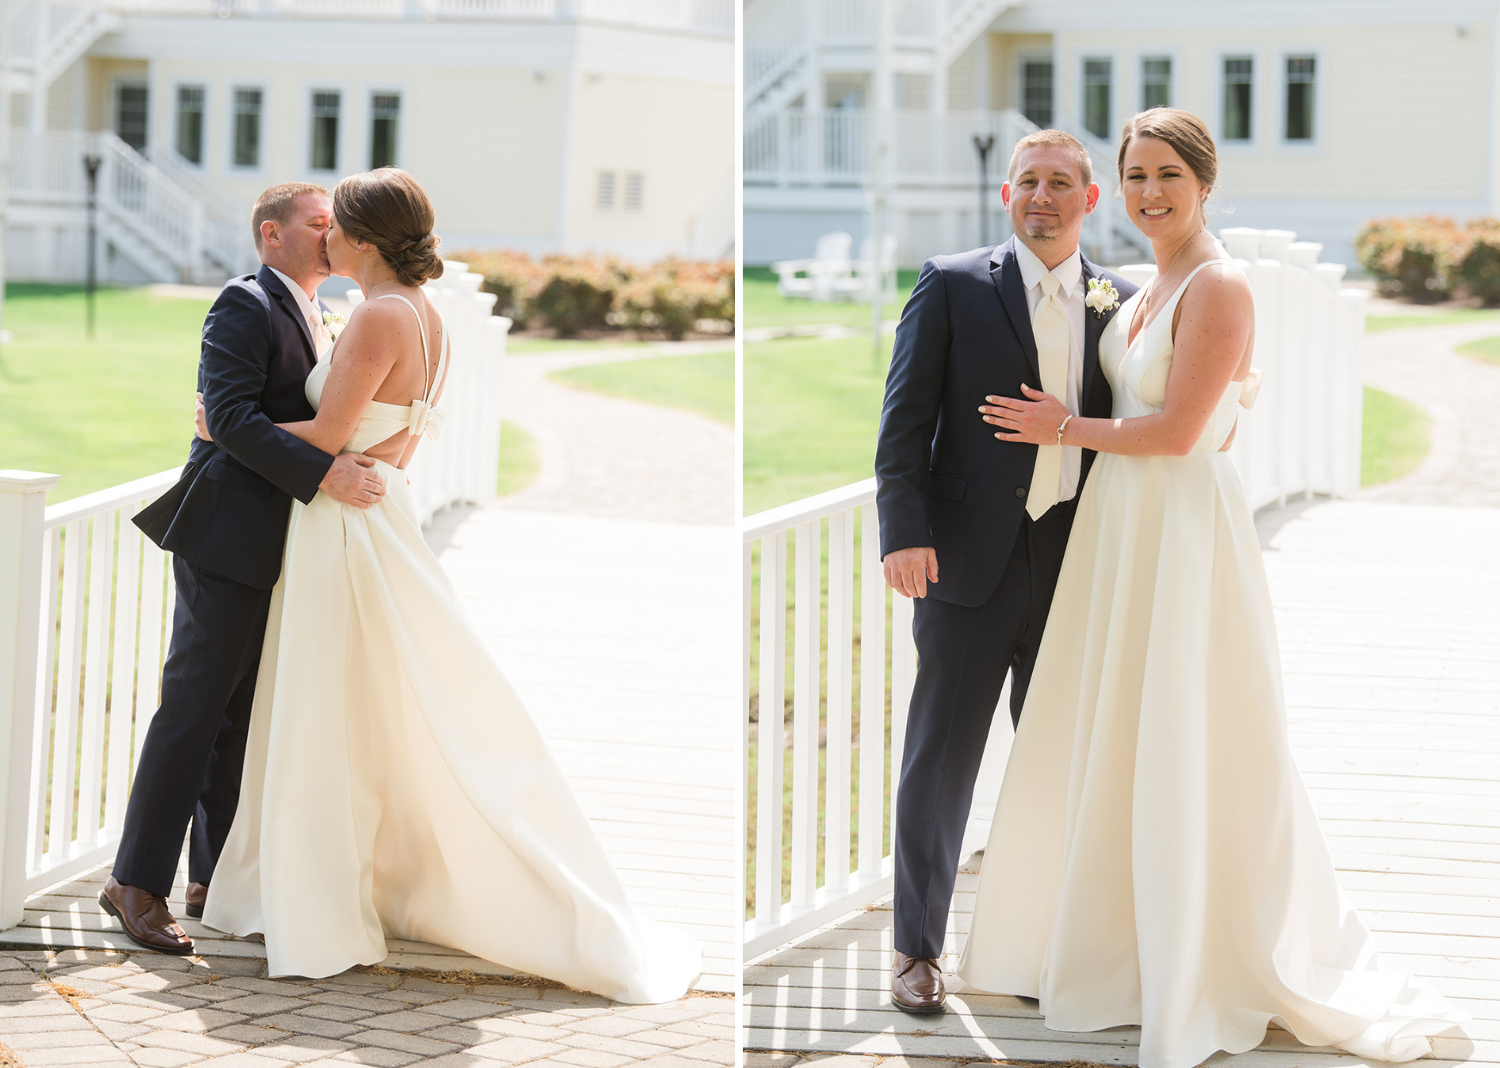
1151,291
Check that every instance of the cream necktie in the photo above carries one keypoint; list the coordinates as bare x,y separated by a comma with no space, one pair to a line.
320,334
1049,324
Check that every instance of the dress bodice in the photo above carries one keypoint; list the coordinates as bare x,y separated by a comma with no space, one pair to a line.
1137,371
380,420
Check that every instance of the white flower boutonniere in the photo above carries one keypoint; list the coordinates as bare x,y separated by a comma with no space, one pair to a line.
334,324
1102,296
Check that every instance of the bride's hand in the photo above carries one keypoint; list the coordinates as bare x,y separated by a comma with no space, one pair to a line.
200,419
1034,420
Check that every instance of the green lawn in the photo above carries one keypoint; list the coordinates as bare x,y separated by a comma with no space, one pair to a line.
1376,323
520,459
702,382
1486,349
763,306
524,345
98,412
1397,435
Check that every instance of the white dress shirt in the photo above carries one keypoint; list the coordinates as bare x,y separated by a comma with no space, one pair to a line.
311,313
1069,274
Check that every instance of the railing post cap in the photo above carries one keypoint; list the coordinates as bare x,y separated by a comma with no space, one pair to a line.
12,481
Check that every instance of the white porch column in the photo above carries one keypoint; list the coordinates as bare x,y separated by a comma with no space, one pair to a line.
23,508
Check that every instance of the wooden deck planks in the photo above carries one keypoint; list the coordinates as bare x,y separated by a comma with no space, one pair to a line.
1389,621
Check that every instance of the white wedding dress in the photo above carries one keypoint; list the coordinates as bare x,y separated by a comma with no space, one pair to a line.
1154,857
394,784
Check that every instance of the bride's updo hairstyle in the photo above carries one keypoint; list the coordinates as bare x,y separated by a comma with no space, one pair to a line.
1183,130
388,209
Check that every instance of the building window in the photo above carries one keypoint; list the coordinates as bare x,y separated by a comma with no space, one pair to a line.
1156,82
247,109
633,192
130,115
1301,74
606,190
1097,74
1036,91
325,131
1239,78
385,110
190,123
913,91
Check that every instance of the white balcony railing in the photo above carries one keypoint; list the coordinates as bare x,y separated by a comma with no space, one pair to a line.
85,609
1303,436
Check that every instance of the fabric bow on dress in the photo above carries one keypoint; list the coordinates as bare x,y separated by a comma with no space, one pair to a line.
425,418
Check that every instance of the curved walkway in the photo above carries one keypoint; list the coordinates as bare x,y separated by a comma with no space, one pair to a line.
1463,397
615,458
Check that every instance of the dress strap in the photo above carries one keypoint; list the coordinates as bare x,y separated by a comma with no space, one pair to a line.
421,329
440,375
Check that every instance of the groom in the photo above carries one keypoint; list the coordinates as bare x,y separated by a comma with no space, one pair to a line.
225,524
995,516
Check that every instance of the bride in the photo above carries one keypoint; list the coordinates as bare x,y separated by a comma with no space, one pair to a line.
1154,858
394,784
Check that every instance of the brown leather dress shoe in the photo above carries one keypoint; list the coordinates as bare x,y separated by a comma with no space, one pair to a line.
197,894
144,918
917,984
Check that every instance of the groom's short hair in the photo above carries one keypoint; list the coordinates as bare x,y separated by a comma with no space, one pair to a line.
1057,139
276,204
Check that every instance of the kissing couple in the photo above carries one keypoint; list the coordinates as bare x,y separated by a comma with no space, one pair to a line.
1154,858
352,761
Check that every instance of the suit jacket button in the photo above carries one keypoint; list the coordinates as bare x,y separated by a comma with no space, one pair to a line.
1020,491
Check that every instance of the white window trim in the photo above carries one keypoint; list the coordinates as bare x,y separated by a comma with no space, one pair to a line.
230,166
1138,69
367,130
1257,99
346,114
1113,123
208,125
1019,61
135,80
1320,82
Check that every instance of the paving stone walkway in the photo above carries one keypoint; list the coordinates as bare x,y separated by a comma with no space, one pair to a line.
1463,397
82,1008
615,458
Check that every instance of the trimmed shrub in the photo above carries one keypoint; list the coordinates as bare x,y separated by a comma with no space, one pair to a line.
1414,258
512,276
671,297
577,292
1478,267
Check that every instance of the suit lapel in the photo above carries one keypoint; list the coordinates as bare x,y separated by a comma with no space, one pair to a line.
1093,330
274,286
1006,275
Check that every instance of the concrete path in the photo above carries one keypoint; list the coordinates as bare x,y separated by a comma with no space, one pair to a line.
1387,616
1463,397
604,456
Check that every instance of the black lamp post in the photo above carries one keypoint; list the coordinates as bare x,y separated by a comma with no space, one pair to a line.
982,145
91,168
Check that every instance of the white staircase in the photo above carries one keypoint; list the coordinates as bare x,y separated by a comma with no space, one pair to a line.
776,52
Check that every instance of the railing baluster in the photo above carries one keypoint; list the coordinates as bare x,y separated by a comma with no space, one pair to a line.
96,671
805,686
156,602
65,722
840,667
772,730
46,696
871,697
122,688
903,675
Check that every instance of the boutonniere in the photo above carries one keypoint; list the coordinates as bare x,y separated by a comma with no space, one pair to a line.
1102,296
334,324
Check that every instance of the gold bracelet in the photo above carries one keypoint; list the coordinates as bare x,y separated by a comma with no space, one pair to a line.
1063,427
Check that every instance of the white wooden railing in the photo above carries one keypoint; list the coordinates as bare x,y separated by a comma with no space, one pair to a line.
1303,436
85,610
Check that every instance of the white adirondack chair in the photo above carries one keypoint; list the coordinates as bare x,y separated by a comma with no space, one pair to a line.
816,278
867,275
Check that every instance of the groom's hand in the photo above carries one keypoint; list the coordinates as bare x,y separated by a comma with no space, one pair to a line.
353,480
908,571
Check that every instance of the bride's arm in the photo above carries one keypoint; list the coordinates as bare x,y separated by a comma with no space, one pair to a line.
1209,344
367,351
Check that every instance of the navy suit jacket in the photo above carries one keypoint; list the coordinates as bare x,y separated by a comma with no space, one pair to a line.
943,480
228,512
